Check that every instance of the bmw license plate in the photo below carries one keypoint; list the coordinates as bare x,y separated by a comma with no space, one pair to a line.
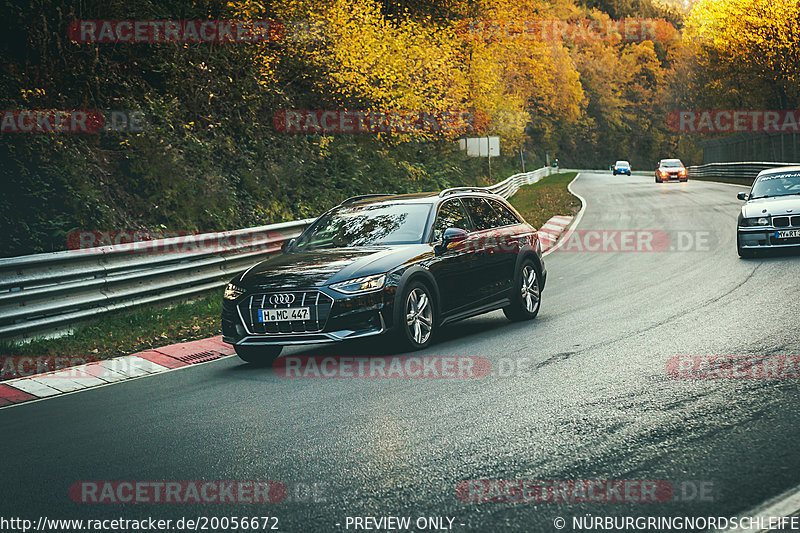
787,234
284,315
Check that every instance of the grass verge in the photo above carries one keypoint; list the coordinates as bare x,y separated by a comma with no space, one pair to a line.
129,332
546,198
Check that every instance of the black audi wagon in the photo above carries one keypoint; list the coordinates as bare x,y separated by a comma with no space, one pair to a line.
402,265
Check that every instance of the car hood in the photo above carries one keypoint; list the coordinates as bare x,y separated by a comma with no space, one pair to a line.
772,206
320,267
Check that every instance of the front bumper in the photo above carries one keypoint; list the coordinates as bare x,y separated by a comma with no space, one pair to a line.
334,317
673,177
764,238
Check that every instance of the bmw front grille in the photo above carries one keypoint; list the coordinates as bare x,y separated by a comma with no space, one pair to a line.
785,222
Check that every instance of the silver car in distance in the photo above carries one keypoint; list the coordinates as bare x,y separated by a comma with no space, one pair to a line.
770,217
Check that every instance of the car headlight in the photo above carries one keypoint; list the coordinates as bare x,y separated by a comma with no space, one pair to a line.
232,292
760,221
358,285
682,172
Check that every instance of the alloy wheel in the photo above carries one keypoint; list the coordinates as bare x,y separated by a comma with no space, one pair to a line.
530,289
419,315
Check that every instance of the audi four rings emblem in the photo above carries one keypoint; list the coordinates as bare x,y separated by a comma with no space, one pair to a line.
277,299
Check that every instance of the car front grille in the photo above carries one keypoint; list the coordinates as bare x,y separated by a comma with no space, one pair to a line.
785,222
319,305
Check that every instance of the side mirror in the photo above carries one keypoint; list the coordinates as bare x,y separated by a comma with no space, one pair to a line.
286,245
742,196
450,236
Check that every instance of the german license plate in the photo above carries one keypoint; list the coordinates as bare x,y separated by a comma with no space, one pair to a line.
787,234
288,314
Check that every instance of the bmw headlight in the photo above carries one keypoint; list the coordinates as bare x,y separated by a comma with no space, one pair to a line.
232,292
760,221
359,285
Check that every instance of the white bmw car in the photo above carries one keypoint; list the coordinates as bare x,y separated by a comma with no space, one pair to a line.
770,217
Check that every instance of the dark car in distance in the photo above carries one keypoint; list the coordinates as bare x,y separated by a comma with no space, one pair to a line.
402,265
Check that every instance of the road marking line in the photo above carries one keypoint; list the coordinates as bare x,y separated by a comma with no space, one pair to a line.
576,220
783,505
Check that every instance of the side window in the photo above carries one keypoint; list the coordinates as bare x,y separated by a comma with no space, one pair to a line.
451,215
506,215
483,216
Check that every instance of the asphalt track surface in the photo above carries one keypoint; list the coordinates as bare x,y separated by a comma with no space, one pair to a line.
590,398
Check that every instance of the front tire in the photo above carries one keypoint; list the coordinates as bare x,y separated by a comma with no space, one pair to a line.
416,318
527,296
258,355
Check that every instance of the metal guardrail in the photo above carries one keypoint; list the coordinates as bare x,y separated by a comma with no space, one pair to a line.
509,186
747,169
47,293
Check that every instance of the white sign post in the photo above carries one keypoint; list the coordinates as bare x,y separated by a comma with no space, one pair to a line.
481,147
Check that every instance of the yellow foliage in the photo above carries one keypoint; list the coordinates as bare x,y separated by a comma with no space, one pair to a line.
749,41
364,59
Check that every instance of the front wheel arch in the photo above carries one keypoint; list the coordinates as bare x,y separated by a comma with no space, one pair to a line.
418,273
529,254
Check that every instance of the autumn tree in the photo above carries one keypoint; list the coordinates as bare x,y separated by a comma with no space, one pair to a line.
747,52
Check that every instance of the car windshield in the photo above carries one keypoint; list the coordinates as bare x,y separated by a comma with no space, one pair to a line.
782,184
367,225
623,164
672,163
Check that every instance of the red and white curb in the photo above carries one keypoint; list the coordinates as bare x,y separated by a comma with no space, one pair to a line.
552,230
101,373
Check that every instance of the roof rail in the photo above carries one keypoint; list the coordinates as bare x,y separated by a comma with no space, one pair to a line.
361,197
454,190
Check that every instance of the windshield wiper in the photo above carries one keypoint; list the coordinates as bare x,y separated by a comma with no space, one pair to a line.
775,195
